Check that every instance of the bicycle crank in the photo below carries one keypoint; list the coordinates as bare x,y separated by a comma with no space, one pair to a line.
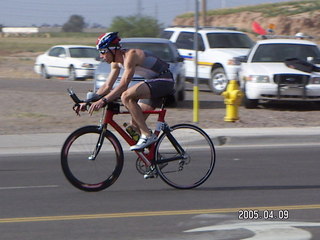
141,166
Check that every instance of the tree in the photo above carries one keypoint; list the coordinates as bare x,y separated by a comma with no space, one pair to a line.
136,26
75,24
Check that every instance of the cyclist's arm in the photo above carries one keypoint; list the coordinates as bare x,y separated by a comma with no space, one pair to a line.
129,66
107,86
104,89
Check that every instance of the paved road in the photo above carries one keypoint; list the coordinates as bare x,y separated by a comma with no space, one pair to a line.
37,202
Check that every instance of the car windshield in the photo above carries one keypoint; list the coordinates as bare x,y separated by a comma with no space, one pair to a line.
282,51
229,40
166,34
83,53
161,50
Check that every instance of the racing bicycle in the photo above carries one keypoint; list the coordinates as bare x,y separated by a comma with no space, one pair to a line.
92,156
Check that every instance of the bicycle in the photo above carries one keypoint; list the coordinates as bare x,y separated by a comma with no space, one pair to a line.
92,156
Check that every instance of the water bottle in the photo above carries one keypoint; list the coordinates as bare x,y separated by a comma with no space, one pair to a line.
135,136
90,94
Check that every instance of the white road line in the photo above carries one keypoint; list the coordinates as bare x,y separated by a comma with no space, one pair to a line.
28,187
266,230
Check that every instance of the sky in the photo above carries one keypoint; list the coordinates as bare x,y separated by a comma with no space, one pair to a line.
25,13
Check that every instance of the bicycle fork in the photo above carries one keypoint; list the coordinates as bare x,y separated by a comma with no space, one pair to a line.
99,143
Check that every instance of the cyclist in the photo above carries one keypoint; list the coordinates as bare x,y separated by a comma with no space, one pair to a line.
140,97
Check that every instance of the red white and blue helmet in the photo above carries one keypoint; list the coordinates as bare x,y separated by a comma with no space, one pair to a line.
107,41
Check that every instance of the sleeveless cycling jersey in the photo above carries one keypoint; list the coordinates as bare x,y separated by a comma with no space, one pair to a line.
157,76
152,67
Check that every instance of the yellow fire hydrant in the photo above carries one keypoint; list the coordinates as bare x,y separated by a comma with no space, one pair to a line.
232,99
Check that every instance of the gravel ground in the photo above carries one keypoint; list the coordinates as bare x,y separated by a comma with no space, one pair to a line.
26,109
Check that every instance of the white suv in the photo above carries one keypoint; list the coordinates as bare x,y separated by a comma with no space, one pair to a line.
264,76
217,49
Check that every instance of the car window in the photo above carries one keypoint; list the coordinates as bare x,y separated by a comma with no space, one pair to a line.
186,41
166,34
229,40
83,52
280,52
56,52
161,50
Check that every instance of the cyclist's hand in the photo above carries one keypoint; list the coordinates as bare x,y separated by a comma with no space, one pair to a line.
95,106
80,108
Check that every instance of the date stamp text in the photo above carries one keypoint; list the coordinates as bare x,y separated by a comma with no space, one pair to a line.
254,214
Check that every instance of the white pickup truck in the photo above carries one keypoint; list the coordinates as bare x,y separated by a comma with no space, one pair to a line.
217,47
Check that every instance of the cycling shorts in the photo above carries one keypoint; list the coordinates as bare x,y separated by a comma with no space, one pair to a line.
159,88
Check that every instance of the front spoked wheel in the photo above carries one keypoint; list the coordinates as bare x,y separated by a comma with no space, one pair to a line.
88,166
194,166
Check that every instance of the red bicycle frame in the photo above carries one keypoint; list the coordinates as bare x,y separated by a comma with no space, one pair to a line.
146,157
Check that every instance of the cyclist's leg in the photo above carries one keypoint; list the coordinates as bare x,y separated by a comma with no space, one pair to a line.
149,92
147,105
144,107
130,100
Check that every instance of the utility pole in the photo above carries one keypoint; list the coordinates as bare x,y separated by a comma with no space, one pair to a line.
156,11
195,83
204,12
139,8
223,4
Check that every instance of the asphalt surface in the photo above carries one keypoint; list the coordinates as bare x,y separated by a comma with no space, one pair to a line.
270,171
257,168
280,183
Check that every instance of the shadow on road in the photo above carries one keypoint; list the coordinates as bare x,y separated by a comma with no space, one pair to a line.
291,106
255,188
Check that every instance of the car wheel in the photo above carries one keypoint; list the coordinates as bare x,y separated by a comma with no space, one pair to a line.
317,104
181,95
171,101
180,90
218,82
44,73
250,103
72,74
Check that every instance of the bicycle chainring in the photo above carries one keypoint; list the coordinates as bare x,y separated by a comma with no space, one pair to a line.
141,167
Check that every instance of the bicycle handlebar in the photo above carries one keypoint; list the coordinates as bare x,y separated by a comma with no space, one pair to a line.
77,101
74,97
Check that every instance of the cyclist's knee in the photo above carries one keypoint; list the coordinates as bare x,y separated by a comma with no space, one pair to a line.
124,97
127,97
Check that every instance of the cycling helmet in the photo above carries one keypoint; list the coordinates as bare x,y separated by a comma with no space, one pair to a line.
107,41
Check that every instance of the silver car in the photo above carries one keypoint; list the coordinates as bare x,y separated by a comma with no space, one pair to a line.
164,49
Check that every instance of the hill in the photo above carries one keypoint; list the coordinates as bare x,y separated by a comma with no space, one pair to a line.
288,17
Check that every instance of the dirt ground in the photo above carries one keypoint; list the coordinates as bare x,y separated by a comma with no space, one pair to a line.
31,110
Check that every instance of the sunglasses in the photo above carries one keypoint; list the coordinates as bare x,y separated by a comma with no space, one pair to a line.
103,51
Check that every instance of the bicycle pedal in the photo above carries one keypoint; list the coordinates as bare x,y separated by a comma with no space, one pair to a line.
150,175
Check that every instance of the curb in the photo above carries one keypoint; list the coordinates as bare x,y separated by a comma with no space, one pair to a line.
31,143
226,137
